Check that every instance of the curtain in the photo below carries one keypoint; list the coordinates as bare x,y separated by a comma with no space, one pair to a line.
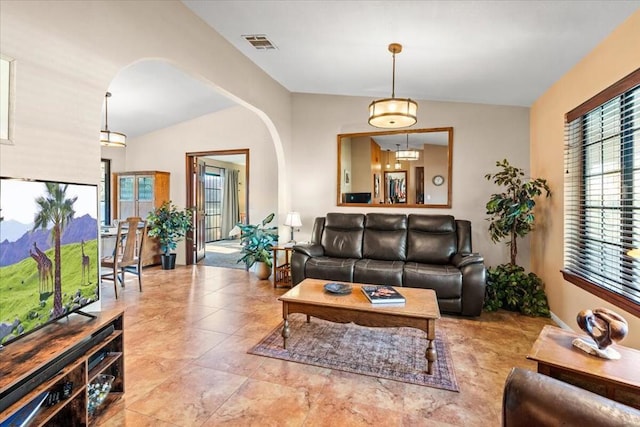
230,205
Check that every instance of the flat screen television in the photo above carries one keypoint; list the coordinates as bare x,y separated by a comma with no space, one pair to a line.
49,265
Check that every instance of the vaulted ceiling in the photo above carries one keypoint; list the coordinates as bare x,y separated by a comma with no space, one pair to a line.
494,52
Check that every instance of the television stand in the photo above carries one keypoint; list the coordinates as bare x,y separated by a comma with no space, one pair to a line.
56,355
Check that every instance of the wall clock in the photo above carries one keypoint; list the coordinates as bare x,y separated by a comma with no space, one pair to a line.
438,180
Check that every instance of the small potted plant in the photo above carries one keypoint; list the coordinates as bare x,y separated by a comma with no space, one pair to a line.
169,225
257,242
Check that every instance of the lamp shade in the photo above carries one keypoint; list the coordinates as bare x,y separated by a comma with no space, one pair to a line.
293,220
109,138
409,155
393,113
634,253
112,139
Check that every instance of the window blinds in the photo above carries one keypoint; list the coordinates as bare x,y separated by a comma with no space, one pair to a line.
602,192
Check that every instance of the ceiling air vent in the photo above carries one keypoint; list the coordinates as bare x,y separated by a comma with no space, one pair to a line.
259,41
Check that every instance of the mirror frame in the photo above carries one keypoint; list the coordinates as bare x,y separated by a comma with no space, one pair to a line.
448,177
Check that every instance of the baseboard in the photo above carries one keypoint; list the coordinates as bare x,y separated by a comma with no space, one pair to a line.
561,323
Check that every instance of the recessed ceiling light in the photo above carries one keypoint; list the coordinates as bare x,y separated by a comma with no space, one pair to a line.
259,41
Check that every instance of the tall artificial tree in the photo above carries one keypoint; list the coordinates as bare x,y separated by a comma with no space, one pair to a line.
511,216
512,210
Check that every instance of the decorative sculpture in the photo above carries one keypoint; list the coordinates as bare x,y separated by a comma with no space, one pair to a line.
604,327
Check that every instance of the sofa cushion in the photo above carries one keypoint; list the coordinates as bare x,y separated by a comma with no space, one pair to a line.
328,268
378,272
431,239
446,280
385,237
342,235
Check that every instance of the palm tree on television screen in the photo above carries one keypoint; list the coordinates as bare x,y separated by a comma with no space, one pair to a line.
55,209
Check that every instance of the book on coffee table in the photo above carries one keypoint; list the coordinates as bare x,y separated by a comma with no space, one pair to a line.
382,294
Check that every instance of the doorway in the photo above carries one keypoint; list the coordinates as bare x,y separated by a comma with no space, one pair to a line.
214,178
218,193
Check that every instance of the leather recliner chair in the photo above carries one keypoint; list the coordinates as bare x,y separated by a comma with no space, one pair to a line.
536,400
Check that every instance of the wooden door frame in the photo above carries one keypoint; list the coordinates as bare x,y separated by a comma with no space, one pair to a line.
190,199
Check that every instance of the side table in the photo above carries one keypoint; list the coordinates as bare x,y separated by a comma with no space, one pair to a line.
617,380
282,272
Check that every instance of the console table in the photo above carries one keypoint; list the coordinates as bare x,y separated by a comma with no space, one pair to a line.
617,380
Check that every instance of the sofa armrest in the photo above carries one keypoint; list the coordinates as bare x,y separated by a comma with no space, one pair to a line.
533,399
301,254
461,260
311,250
474,277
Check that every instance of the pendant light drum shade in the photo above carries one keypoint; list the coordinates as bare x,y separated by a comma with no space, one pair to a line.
407,154
109,138
390,113
113,139
393,113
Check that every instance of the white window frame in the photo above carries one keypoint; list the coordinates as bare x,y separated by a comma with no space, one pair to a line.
7,98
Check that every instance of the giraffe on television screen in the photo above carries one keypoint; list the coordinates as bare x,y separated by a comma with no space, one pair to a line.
86,263
45,269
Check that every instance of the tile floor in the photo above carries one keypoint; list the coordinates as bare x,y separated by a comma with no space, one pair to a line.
186,337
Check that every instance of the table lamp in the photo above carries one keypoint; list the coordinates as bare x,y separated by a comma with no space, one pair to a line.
293,221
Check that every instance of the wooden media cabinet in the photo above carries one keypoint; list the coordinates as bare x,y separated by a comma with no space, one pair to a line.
72,350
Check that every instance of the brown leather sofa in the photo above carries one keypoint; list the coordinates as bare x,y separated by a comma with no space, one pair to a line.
418,251
536,400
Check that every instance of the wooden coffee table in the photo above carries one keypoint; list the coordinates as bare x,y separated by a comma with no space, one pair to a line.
309,297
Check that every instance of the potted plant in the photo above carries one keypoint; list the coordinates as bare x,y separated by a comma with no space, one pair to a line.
257,242
511,216
169,225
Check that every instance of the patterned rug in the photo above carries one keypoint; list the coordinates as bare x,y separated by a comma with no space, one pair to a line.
391,353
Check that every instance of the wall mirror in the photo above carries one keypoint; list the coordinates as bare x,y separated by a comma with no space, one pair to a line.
396,168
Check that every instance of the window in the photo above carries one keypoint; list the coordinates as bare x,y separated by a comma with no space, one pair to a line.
213,188
6,98
105,192
602,194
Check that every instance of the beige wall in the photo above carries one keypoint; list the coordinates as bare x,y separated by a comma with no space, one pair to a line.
345,161
614,58
361,165
233,128
483,134
435,160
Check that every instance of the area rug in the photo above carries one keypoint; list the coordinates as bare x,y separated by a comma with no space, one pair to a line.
223,253
392,353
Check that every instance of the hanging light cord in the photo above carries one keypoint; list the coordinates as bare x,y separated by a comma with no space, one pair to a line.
106,111
393,76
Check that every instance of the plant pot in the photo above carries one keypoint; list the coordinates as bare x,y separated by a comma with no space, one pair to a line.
168,261
263,271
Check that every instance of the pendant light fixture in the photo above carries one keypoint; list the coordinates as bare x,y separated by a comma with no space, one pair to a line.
397,165
109,138
393,112
388,165
409,155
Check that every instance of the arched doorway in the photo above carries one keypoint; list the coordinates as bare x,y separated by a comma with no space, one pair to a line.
243,125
